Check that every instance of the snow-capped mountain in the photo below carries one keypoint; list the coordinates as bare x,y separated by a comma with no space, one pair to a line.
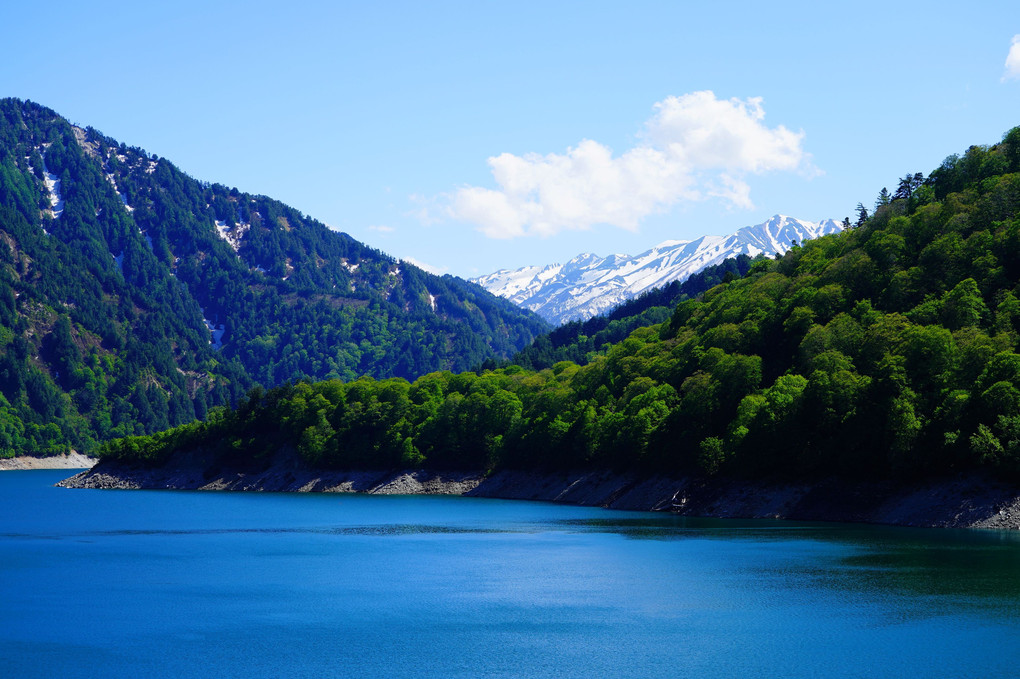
589,285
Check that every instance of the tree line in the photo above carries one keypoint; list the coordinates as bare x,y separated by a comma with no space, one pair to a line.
888,350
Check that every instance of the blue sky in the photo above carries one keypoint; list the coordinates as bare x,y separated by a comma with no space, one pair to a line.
475,136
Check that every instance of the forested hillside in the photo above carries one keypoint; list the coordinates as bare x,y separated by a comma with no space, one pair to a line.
134,297
581,341
890,349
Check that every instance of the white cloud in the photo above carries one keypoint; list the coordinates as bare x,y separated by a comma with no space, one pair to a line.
694,147
710,133
1013,61
735,191
437,270
381,228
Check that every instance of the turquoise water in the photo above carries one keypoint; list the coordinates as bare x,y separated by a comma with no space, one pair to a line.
178,584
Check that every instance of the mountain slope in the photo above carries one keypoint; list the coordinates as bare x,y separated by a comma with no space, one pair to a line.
589,285
887,351
132,296
583,341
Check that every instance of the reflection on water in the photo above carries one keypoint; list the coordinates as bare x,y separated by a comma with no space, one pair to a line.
934,562
381,531
669,527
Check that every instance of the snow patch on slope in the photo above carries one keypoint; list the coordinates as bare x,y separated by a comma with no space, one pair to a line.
232,234
113,182
215,331
52,183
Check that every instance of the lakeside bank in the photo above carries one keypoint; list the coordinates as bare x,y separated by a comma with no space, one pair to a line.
73,460
966,501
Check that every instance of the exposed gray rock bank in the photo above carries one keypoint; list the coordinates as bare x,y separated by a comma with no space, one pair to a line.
72,460
972,501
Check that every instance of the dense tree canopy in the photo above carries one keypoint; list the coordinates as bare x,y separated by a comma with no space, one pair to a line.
145,296
890,349
579,341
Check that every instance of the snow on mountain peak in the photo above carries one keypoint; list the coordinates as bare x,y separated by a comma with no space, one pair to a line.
588,285
670,244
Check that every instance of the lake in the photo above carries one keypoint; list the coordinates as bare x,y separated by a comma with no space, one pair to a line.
201,584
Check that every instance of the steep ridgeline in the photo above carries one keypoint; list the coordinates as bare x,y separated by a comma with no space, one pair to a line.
889,350
589,285
132,296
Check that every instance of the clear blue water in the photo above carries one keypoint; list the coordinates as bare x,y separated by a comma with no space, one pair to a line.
177,584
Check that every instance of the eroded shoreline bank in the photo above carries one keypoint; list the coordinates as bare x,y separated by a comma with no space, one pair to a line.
73,460
971,501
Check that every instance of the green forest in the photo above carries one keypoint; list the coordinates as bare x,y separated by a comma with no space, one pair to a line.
134,297
888,350
580,341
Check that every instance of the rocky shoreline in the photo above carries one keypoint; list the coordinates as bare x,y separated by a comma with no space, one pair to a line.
971,501
73,460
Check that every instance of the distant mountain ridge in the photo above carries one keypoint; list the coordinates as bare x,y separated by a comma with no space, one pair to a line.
589,285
